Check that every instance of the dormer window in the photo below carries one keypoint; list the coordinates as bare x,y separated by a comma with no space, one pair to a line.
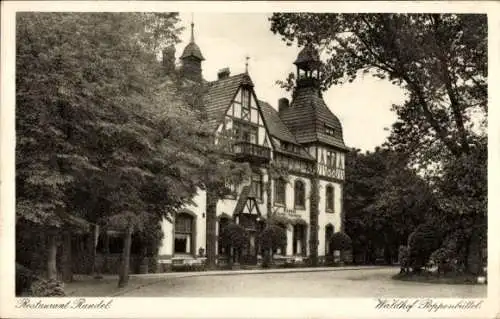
329,130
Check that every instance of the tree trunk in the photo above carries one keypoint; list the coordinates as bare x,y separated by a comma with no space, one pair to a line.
67,273
269,194
52,255
229,257
105,263
93,249
313,234
125,266
388,255
211,227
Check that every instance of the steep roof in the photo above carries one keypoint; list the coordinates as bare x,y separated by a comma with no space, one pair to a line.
274,124
278,129
219,95
307,116
308,56
192,49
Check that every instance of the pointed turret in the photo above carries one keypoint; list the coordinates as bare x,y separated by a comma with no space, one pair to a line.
191,59
308,116
308,65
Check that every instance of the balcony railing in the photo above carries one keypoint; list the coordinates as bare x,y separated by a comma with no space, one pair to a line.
250,151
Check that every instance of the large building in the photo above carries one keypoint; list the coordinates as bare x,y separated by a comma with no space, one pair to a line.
303,135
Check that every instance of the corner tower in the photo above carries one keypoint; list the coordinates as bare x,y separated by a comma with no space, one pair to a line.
308,116
319,131
191,59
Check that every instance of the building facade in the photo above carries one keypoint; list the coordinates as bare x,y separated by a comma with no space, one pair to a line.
303,136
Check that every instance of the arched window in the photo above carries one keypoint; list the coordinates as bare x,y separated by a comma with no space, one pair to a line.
299,239
184,234
280,191
330,199
300,195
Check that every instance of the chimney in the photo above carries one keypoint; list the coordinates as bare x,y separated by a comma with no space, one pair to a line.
223,73
168,59
283,104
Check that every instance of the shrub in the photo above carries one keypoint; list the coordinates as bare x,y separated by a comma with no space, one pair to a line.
24,279
340,241
234,236
271,238
443,258
422,243
403,258
188,268
47,288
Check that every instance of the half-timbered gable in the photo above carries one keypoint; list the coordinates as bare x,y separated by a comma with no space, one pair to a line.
303,136
234,114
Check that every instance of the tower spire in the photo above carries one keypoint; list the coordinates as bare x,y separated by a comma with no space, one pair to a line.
246,63
192,28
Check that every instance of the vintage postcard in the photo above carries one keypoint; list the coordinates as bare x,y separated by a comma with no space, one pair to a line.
249,159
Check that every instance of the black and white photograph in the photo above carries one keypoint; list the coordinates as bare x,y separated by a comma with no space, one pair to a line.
190,153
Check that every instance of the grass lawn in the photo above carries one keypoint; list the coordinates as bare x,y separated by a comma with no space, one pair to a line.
434,277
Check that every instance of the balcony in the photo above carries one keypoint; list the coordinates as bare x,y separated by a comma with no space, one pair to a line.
247,151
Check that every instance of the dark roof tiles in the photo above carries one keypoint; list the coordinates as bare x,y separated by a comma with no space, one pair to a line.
308,56
307,116
219,96
303,122
192,49
274,124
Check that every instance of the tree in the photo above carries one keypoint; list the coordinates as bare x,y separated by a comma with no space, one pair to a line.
440,60
385,201
233,237
425,240
405,201
271,238
365,174
102,132
340,241
219,171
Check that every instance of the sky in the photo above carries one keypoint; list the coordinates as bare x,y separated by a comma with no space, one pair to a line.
225,39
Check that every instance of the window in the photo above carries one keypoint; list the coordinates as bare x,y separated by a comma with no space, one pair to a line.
257,185
299,240
245,132
245,105
300,194
329,198
329,130
331,159
279,191
232,188
183,241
